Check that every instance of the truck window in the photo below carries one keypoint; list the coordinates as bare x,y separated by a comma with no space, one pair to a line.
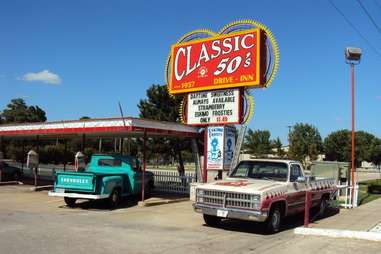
261,170
296,171
110,162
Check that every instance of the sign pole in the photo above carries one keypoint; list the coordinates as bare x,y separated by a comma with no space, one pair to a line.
144,162
353,133
204,166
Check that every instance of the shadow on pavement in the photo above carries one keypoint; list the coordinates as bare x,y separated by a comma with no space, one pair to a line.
288,223
130,201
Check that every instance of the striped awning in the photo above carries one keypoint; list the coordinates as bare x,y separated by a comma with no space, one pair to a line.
113,127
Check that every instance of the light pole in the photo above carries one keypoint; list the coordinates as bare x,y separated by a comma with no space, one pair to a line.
352,57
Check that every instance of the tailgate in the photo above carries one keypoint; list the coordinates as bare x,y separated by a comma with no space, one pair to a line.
75,181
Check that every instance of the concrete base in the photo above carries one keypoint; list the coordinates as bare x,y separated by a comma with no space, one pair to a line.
10,183
336,233
160,201
41,188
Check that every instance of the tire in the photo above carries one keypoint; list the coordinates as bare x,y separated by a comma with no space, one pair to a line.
212,221
274,220
114,199
323,207
16,176
70,202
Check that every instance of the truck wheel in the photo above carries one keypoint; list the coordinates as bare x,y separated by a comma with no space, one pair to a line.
114,199
323,207
16,176
212,221
70,202
274,220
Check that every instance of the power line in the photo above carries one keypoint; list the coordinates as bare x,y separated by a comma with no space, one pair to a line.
369,16
354,28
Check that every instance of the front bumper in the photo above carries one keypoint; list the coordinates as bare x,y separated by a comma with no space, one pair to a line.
77,195
231,213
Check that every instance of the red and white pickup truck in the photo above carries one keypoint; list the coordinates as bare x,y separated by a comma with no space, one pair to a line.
263,190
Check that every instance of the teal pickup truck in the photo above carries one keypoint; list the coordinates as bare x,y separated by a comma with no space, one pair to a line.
108,177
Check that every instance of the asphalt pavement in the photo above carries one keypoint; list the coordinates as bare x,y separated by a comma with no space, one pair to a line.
32,222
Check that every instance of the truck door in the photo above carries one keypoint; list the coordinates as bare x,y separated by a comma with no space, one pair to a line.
297,190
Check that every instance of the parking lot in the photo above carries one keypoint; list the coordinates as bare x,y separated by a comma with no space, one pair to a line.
31,222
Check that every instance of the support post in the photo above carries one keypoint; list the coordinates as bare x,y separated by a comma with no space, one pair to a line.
2,145
121,146
353,133
144,162
83,143
100,145
36,169
23,157
307,209
65,154
196,158
204,168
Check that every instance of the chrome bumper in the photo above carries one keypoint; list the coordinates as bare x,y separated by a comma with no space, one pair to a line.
77,195
231,213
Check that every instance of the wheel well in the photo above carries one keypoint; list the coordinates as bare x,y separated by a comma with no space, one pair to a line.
118,188
281,205
325,196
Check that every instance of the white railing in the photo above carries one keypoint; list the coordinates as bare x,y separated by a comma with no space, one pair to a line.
172,182
345,192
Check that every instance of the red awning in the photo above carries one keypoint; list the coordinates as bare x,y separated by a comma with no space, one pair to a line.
113,127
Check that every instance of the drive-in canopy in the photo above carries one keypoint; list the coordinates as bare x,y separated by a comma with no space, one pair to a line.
112,127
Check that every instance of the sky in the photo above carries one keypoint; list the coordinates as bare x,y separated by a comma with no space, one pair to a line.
80,58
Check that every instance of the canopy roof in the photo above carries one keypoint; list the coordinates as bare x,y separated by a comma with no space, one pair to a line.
112,127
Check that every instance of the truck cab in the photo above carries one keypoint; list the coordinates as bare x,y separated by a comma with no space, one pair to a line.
109,177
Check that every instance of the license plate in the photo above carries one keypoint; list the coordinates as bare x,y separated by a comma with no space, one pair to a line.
59,190
222,213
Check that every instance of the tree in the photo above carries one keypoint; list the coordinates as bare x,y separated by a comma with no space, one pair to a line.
18,112
338,147
277,145
304,143
257,142
161,106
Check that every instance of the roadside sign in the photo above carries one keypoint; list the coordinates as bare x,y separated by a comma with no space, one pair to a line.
224,61
229,147
220,147
214,107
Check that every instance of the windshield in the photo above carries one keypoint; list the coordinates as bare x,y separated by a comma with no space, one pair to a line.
261,170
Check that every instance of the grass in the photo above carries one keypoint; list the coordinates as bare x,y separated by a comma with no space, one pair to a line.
364,196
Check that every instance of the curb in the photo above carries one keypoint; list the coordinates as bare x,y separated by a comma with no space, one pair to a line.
161,202
336,233
41,188
10,183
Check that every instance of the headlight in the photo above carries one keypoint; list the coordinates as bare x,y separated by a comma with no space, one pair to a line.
255,198
255,201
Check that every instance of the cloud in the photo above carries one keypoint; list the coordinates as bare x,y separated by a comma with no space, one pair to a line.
44,76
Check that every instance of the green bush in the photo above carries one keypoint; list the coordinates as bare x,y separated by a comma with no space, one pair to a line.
374,186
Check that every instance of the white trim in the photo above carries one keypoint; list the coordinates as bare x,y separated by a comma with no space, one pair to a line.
336,233
77,195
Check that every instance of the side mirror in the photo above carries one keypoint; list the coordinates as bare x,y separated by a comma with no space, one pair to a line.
301,179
